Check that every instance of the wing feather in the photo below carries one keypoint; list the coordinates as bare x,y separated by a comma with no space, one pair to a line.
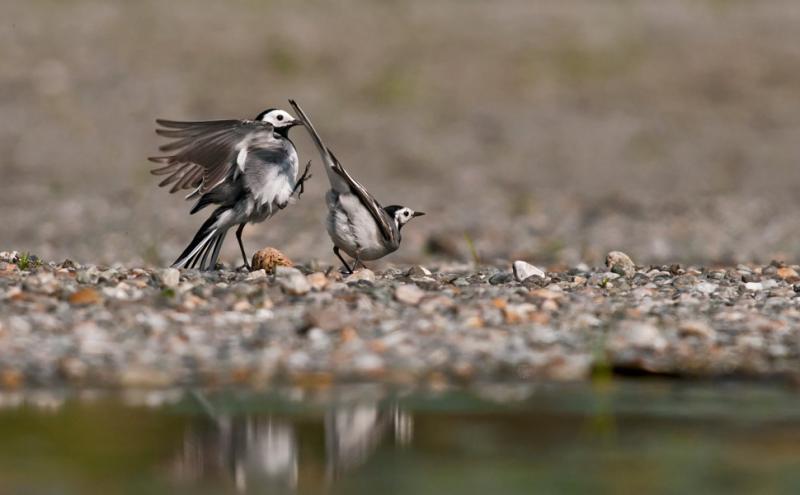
203,154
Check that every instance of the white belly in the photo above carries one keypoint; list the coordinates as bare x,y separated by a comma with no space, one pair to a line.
353,230
275,188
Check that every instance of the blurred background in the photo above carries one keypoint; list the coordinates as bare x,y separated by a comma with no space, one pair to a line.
550,131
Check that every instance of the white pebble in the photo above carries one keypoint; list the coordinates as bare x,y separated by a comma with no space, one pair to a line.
170,277
706,287
409,294
362,274
257,275
524,270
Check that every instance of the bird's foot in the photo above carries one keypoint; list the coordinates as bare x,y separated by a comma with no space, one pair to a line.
299,188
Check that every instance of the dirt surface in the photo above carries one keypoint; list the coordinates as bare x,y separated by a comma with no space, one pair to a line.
548,131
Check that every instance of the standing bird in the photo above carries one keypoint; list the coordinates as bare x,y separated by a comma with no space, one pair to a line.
357,224
247,167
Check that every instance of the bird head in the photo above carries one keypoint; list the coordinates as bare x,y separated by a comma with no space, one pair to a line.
402,214
281,120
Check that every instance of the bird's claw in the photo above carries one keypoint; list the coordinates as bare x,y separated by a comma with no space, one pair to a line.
302,180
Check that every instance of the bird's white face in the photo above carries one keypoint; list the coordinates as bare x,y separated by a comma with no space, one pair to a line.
279,118
403,215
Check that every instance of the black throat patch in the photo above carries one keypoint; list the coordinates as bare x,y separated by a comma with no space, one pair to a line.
391,210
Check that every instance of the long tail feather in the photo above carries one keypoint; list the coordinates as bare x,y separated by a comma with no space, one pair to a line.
323,150
207,240
199,258
217,246
336,173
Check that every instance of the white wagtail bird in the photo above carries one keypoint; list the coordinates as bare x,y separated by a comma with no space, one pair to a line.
246,167
356,223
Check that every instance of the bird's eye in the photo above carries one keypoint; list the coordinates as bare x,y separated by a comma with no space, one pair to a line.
405,213
280,117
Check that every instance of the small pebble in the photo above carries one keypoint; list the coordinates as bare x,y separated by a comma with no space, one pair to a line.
620,263
170,277
788,274
523,270
409,294
697,328
317,280
500,278
259,274
419,271
706,287
631,335
361,274
85,296
292,280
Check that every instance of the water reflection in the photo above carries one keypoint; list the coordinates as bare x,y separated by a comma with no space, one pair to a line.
264,451
632,437
352,434
249,450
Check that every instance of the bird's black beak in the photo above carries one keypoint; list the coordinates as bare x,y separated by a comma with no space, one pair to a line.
417,214
295,122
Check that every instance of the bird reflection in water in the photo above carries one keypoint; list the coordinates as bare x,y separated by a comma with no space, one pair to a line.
353,433
261,452
256,451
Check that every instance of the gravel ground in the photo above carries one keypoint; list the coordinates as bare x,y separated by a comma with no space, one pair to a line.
63,323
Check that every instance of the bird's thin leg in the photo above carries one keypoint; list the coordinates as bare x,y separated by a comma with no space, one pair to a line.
302,180
357,261
338,255
241,245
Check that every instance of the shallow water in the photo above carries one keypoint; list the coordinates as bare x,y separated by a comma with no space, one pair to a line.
615,437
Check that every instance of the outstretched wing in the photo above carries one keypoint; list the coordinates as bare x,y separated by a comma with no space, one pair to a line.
204,154
343,182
